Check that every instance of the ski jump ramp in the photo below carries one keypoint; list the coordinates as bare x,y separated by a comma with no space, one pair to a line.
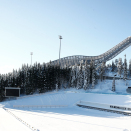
110,54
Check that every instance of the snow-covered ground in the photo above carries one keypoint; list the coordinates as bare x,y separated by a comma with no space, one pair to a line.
106,87
70,118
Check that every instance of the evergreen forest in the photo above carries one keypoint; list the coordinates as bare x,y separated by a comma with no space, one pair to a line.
43,78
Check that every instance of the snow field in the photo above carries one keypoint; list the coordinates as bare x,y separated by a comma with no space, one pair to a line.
106,87
70,118
10,123
26,124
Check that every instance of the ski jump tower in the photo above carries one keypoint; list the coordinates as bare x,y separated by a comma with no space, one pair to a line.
110,54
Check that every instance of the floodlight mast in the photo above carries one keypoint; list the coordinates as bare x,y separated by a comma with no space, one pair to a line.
60,37
31,58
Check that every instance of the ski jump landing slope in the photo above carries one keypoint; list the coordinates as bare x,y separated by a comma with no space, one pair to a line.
110,54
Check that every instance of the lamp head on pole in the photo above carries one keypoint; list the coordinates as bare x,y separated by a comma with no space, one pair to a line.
60,37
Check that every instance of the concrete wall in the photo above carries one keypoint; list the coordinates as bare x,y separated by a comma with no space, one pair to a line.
105,106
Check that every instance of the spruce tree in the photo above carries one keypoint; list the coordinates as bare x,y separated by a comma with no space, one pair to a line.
86,76
64,77
72,77
113,66
53,77
75,76
125,69
80,78
116,63
1,89
102,70
67,76
35,76
93,76
120,67
130,67
27,89
44,79
91,68
57,74
113,84
40,79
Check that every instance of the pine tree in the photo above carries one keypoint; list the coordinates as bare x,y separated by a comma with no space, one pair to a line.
102,70
44,79
6,81
113,84
75,76
57,72
80,78
125,69
35,76
56,87
91,68
71,77
113,66
52,77
40,79
49,76
120,67
130,67
64,77
116,63
67,76
27,89
1,89
23,75
86,76
32,90
93,76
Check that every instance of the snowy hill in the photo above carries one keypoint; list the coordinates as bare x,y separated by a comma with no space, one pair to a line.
106,87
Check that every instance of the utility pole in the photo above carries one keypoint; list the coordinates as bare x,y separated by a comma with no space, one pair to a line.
60,37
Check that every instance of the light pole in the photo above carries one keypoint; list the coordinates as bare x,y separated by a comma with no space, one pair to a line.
60,37
31,58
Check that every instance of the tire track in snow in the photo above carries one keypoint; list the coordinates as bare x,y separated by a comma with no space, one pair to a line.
19,119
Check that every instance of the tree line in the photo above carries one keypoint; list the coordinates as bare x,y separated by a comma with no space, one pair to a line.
47,77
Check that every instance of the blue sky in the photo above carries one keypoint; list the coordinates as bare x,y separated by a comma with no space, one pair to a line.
88,27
